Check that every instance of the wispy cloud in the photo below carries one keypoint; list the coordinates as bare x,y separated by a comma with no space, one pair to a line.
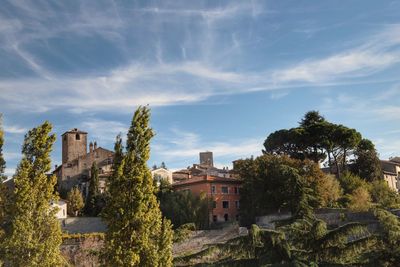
183,146
162,83
14,129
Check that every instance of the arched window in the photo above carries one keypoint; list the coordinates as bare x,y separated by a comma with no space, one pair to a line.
77,137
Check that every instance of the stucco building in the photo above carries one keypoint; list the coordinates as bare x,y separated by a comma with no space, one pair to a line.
162,173
205,167
220,185
61,207
77,162
391,172
222,192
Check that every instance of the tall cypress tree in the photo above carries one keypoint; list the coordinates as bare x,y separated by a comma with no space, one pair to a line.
134,222
90,205
35,235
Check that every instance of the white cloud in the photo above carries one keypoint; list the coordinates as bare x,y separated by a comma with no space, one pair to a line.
9,172
166,82
14,129
181,146
103,132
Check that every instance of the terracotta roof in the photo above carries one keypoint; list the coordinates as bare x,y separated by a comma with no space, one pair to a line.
207,179
395,159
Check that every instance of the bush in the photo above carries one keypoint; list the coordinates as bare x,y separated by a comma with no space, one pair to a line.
360,200
382,194
183,232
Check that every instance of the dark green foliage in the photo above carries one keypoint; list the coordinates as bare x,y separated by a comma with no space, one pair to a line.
315,139
271,184
3,192
183,207
2,160
95,201
382,194
302,240
387,250
367,164
183,232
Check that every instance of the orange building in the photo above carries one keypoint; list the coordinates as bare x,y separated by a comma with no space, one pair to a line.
223,192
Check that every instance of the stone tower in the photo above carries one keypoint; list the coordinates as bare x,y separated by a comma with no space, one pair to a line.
206,158
74,144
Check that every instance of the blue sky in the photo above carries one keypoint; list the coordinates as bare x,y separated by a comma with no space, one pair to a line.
218,75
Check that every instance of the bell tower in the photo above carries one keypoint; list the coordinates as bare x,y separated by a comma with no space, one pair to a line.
74,144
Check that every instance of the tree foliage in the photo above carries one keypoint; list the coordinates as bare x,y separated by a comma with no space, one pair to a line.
75,202
387,250
315,139
367,164
94,201
3,191
303,240
183,207
382,194
135,229
2,160
270,185
34,237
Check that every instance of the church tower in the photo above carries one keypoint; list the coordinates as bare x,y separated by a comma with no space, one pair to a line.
74,145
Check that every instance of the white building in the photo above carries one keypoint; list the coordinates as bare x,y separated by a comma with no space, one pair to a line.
162,173
61,209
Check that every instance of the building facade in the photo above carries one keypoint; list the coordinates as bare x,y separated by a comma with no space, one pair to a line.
223,193
162,173
391,172
77,162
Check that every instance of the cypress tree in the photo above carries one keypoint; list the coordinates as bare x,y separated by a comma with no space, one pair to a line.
90,205
132,214
35,237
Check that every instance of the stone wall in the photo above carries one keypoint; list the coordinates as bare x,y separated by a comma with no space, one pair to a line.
333,217
82,251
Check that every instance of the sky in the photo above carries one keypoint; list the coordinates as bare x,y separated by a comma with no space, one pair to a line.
218,75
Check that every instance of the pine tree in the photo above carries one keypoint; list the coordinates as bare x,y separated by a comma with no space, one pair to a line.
35,235
132,213
75,201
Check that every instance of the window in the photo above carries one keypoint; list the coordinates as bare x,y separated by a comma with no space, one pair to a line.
214,204
236,190
225,190
77,137
237,204
226,217
225,204
214,218
237,217
213,189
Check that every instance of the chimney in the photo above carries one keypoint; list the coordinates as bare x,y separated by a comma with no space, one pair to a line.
90,147
95,145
